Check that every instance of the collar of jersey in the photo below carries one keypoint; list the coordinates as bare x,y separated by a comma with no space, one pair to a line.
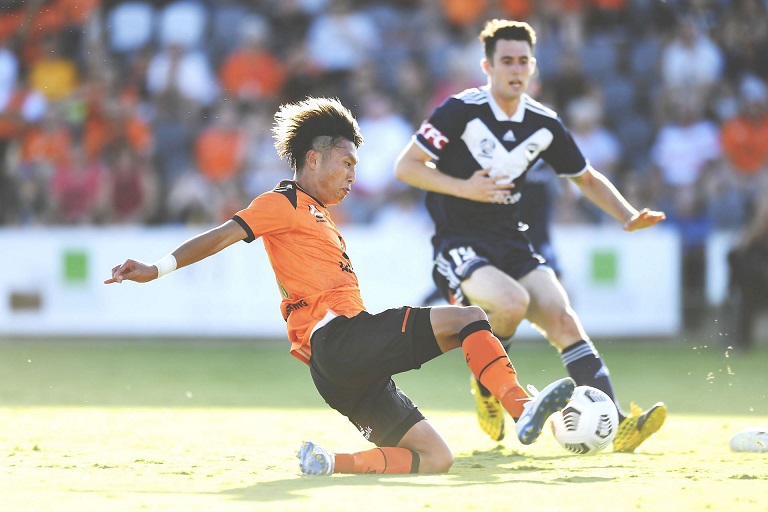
298,187
500,115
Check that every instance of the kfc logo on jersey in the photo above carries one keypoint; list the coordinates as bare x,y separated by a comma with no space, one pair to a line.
433,135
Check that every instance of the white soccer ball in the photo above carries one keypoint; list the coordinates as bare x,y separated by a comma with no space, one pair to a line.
752,439
588,423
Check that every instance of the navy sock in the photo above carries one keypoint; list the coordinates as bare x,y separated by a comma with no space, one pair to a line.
586,368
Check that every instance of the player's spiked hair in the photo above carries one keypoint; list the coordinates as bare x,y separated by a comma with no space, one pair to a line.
313,123
495,30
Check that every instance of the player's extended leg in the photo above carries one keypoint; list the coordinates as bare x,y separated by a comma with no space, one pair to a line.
421,450
382,406
490,364
354,378
505,302
550,310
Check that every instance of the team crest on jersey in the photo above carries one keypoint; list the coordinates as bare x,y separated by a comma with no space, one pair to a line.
316,213
486,147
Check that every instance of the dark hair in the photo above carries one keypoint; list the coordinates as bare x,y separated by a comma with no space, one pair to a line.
495,30
313,123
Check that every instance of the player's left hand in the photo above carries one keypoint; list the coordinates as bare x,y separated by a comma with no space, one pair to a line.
645,218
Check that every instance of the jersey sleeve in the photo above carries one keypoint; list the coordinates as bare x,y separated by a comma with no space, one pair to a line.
564,155
445,124
269,214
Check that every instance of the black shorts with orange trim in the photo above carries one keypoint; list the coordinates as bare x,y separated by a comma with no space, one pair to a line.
353,361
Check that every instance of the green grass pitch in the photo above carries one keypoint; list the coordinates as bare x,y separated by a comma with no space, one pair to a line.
123,425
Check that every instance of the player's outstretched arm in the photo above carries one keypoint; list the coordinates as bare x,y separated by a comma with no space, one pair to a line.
415,168
645,218
598,189
193,250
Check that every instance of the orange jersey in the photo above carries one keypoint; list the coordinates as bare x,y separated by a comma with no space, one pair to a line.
308,255
745,143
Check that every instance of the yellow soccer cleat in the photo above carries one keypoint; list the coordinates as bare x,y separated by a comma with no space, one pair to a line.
639,426
490,413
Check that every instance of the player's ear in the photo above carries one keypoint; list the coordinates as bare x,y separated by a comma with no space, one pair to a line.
312,158
531,66
486,66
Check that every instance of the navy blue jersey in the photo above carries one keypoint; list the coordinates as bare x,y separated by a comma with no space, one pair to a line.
469,132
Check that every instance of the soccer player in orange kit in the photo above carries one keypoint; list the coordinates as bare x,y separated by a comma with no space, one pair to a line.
351,353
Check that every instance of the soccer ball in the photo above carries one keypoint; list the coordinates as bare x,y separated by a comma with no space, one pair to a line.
588,423
753,439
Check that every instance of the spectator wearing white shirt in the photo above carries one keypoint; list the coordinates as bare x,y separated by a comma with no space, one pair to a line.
182,86
691,63
182,23
387,131
339,41
686,152
600,147
130,27
187,71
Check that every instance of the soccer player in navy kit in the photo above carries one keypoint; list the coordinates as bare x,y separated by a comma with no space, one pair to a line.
472,155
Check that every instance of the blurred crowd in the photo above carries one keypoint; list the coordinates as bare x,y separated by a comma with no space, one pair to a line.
155,112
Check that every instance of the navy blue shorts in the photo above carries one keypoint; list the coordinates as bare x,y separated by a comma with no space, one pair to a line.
457,258
353,360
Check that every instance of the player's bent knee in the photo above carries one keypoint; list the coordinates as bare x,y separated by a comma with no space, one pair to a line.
462,316
505,321
563,329
513,314
439,462
474,313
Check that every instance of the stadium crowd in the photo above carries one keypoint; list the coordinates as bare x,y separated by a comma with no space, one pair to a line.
151,112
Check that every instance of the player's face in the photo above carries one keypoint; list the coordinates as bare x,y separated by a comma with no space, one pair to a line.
336,172
511,69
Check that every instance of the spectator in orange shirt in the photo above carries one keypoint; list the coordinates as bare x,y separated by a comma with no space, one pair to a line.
221,147
22,191
251,72
463,13
220,154
517,9
110,122
47,145
745,136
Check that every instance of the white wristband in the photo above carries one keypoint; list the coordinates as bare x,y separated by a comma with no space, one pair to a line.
165,265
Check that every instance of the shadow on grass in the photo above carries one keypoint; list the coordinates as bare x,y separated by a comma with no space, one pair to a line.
493,467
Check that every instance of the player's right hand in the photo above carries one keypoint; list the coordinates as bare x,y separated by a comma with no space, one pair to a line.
132,270
483,188
643,219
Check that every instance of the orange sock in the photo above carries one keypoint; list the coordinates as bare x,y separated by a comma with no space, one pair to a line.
390,460
489,362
